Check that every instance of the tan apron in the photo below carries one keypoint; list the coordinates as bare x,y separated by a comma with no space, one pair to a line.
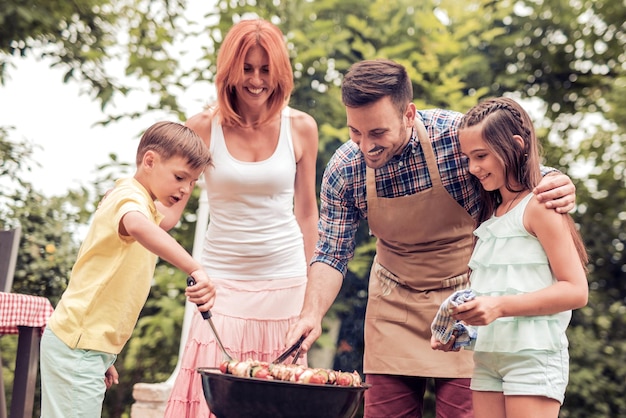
424,242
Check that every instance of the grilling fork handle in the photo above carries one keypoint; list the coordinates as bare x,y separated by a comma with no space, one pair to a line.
190,282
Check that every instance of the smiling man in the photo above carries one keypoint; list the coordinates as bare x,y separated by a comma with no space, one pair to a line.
403,171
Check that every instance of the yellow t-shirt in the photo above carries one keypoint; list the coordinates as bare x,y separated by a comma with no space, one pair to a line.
111,278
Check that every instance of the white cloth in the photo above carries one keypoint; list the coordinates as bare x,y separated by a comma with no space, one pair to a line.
444,324
253,233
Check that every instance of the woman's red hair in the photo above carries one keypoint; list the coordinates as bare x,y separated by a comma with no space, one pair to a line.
230,62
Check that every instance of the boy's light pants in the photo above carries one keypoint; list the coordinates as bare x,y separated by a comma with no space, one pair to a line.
72,380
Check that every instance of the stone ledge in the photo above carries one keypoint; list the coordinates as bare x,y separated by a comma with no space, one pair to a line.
150,400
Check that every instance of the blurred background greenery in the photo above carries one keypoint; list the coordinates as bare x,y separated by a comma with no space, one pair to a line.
565,59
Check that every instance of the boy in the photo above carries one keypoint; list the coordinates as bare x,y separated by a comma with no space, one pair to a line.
111,278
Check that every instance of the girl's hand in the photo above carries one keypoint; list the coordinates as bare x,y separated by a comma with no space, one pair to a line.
480,311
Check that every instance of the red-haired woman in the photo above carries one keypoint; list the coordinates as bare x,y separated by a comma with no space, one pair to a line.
263,208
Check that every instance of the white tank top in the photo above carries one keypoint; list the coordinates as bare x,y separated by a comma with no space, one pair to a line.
253,233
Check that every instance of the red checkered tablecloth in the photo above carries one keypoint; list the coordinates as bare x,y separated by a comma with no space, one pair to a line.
23,310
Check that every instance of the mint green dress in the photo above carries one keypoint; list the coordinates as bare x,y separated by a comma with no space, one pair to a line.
507,260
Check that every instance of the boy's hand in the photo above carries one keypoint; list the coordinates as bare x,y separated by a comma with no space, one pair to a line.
111,377
202,293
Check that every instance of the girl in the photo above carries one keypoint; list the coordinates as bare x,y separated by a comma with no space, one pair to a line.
527,270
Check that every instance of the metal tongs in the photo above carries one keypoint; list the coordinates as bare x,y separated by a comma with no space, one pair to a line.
207,315
296,347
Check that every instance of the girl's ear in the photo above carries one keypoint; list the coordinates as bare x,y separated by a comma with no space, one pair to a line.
520,141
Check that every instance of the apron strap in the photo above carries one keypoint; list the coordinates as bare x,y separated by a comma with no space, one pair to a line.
431,161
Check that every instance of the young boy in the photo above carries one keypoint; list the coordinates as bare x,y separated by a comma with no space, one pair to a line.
110,280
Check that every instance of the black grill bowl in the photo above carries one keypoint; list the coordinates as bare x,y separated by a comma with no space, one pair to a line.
231,396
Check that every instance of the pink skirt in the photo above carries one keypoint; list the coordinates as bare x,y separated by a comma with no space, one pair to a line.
252,319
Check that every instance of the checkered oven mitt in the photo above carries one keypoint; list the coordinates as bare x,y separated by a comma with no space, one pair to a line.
444,325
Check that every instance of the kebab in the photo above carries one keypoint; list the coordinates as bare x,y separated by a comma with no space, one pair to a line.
290,373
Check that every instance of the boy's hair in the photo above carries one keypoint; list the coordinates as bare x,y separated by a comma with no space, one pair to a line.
171,139
368,81
230,67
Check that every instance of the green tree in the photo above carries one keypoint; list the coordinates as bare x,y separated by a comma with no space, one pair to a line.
570,55
597,334
87,38
46,249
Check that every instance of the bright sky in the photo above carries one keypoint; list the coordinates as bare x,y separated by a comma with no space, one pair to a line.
61,121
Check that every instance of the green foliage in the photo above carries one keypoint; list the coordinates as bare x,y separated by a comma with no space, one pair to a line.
602,214
77,34
8,348
47,246
565,52
47,250
84,37
597,350
15,157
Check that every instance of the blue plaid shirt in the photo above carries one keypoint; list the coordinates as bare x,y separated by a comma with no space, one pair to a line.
343,194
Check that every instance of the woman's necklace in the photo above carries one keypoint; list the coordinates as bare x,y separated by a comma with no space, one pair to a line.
508,208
